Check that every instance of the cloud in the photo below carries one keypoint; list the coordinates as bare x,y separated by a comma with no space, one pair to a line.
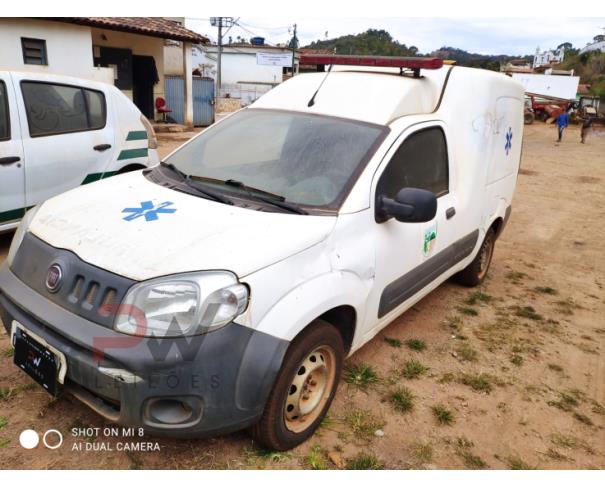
513,36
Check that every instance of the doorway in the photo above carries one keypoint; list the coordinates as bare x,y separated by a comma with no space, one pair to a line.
144,77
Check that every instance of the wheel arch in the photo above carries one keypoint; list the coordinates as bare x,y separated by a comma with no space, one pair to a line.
131,167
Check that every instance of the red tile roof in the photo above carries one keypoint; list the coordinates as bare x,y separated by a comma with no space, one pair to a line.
150,26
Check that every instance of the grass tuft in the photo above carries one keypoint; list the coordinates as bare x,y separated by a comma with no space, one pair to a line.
471,460
416,344
478,297
467,310
316,459
402,400
422,451
443,415
566,402
477,382
412,369
516,277
517,360
515,463
546,290
360,375
466,352
364,461
528,312
363,423
582,418
393,342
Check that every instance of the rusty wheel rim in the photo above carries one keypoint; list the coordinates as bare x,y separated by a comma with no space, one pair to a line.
310,389
485,257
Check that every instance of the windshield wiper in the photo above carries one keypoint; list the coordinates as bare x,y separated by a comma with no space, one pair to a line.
195,187
174,169
266,197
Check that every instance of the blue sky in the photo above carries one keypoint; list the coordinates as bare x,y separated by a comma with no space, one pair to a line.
513,36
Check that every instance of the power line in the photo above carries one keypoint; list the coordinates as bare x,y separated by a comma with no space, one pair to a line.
284,28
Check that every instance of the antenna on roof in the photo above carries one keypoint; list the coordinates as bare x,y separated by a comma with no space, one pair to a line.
312,100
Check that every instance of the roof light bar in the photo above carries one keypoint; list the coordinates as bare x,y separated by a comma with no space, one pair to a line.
413,63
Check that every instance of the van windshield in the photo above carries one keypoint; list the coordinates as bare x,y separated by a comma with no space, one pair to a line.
307,159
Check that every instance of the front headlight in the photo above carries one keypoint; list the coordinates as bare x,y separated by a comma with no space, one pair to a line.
183,304
20,233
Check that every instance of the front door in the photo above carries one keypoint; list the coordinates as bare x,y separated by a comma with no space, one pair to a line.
12,163
410,257
68,136
144,76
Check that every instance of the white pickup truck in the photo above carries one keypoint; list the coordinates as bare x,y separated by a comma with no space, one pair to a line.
223,288
58,132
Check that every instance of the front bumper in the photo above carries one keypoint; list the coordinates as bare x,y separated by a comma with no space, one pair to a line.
221,379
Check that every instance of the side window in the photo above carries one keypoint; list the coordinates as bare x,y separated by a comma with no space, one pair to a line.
54,109
5,128
420,162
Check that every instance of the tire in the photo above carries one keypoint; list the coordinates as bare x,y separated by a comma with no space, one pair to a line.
475,273
284,423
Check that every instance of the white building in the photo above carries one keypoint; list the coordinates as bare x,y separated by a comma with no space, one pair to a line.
125,51
548,57
598,44
247,71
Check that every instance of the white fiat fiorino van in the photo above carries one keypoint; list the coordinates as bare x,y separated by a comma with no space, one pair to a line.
58,132
223,288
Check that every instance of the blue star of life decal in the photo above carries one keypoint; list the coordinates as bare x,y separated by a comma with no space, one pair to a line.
148,210
509,138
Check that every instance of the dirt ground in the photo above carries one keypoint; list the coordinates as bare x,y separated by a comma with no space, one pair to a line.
511,375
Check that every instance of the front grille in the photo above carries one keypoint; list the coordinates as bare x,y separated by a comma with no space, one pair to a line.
86,290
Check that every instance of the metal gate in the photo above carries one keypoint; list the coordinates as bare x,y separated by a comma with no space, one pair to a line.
203,99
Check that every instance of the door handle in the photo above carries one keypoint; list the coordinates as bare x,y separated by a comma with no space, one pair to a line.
102,147
6,161
450,212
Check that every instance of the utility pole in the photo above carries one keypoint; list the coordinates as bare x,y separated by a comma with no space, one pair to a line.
220,22
294,45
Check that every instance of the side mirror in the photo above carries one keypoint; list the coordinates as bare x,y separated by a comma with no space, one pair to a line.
411,205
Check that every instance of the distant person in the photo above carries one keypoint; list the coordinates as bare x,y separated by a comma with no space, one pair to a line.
562,123
586,124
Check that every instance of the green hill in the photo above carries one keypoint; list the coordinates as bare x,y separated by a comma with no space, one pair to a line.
375,42
590,67
379,42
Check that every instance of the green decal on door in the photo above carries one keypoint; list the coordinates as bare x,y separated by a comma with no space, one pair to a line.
7,216
137,135
91,178
132,154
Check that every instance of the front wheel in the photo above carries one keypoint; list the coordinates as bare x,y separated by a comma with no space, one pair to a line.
475,272
304,388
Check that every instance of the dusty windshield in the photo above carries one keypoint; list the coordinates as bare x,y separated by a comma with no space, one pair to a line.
307,159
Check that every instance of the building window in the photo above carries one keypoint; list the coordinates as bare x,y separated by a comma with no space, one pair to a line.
54,109
34,51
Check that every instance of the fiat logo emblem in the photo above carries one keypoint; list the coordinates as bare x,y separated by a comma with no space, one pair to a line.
54,278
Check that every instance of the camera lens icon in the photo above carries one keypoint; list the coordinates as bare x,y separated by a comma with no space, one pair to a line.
52,439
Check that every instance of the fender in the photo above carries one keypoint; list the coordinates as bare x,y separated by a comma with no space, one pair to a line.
307,301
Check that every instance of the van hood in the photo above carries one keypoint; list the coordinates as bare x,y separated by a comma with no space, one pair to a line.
133,227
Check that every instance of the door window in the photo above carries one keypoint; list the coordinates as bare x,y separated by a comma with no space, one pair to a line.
420,162
54,109
5,132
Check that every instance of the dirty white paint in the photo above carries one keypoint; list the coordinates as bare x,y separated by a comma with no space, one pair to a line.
300,266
